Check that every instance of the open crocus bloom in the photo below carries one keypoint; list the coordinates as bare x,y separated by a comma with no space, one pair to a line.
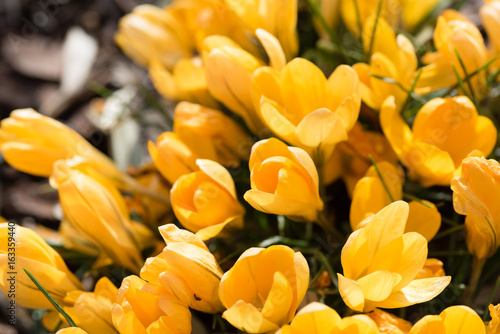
205,201
393,58
264,288
317,318
445,131
300,106
453,320
381,263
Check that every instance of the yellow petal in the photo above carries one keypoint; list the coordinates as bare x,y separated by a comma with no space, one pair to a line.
273,49
279,300
352,293
462,320
378,285
246,317
429,324
418,291
423,220
321,127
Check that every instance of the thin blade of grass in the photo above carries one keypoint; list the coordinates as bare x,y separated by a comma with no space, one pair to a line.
51,299
467,78
374,163
374,31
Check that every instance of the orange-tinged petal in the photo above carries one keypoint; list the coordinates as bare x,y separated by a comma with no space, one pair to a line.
429,324
246,317
461,320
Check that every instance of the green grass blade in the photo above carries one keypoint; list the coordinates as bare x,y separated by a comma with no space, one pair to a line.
51,299
374,163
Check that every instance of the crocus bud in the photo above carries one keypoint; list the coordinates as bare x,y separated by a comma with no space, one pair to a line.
317,318
284,181
186,269
264,288
205,201
97,211
21,248
475,194
221,134
150,33
143,307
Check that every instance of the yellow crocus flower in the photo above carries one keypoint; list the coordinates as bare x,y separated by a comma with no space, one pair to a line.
205,201
91,311
229,69
445,131
370,196
475,194
317,318
453,320
278,17
490,16
150,33
143,307
301,106
408,13
32,142
264,288
393,58
173,157
186,269
284,181
454,34
186,82
381,262
41,260
388,323
222,134
95,208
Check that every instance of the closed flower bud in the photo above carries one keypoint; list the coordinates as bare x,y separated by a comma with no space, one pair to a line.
186,269
317,318
229,142
226,62
475,194
205,201
91,311
143,307
454,319
150,33
97,211
172,157
36,256
445,131
264,288
284,181
381,262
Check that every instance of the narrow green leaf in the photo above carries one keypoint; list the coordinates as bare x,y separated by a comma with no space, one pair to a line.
459,79
374,31
374,163
467,78
51,299
414,198
410,92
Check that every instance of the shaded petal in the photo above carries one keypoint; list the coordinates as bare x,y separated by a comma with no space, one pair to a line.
246,317
351,293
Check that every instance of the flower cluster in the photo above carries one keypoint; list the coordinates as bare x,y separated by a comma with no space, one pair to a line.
300,187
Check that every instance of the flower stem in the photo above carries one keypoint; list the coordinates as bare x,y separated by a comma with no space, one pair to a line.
477,269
